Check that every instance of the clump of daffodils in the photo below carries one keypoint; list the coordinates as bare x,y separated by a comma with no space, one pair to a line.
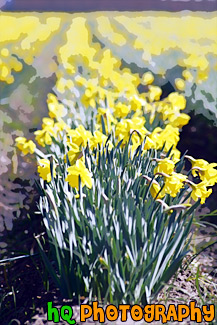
114,191
130,121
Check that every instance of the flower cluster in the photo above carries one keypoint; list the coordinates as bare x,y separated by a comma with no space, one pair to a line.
110,171
129,123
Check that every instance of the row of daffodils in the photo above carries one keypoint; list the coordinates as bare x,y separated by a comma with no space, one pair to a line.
25,37
63,44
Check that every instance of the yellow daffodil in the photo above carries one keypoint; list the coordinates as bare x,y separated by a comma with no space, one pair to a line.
25,146
156,134
61,126
165,166
199,191
187,75
180,83
137,121
175,155
79,136
154,190
134,125
179,120
122,129
206,171
154,93
44,169
149,143
45,135
173,184
73,154
147,78
137,102
107,64
178,101
198,164
166,110
56,110
90,90
210,174
99,138
73,175
168,136
49,129
121,110
47,122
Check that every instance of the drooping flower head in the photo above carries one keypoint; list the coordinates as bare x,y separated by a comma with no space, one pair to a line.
200,191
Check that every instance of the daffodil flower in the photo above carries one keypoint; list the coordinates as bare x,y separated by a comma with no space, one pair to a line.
154,93
56,110
200,191
206,171
79,169
99,138
44,169
25,146
45,135
121,110
178,101
147,78
179,120
174,183
155,189
165,166
73,154
79,136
